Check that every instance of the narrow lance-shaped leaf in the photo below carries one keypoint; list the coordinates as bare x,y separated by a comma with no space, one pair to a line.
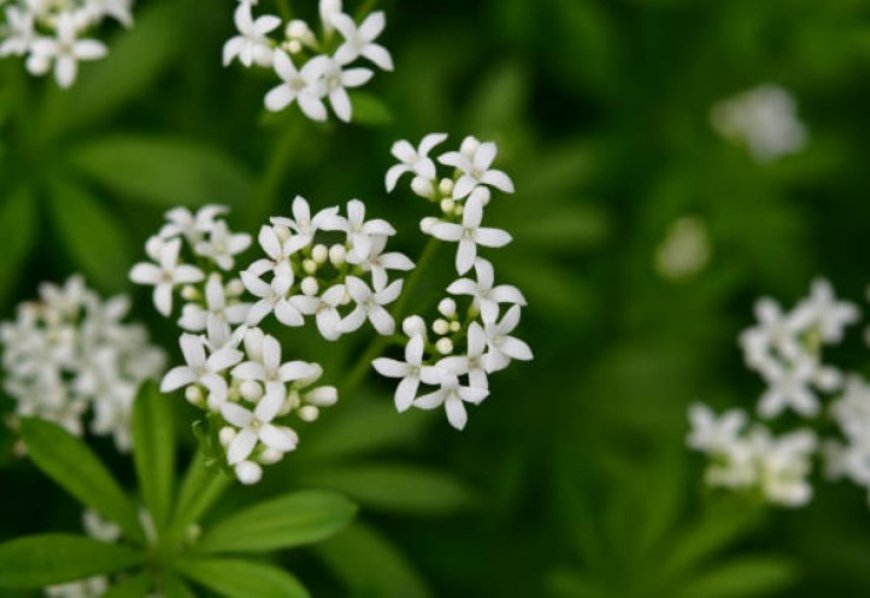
17,229
70,463
747,576
202,486
154,450
291,520
49,559
242,579
132,587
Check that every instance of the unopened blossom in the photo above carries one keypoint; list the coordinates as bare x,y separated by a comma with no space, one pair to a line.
304,86
411,371
370,305
222,245
359,41
469,234
194,317
487,297
252,45
166,274
201,368
502,346
66,50
475,166
453,396
416,161
338,80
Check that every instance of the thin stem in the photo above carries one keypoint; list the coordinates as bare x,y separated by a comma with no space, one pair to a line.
379,343
284,9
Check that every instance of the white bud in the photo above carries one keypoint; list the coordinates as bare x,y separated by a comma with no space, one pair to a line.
469,146
320,253
309,286
309,266
226,435
447,308
337,255
447,205
458,209
455,326
440,326
299,29
249,472
235,287
323,396
427,223
444,346
193,394
309,413
446,186
189,293
294,46
270,456
251,391
422,187
414,326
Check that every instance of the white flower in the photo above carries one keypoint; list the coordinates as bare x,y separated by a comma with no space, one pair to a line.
827,314
329,9
278,252
65,50
360,41
202,369
266,368
713,434
411,371
338,81
378,263
304,86
272,299
304,226
413,160
486,297
166,275
473,363
370,305
475,168
360,232
256,426
222,246
470,234
784,464
182,222
776,330
453,396
19,33
195,317
503,347
789,387
324,309
252,45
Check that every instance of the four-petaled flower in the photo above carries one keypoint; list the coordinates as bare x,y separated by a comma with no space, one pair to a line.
252,45
475,168
453,396
470,234
360,41
166,274
413,160
305,86
502,346
202,369
486,297
370,305
412,371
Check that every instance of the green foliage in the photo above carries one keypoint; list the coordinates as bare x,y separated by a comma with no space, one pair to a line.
241,579
154,450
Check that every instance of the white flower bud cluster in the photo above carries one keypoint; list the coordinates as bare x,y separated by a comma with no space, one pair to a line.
785,348
70,353
49,33
470,345
311,69
92,587
764,119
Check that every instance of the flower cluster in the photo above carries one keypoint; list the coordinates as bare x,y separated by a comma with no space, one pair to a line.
312,69
469,344
70,352
50,33
233,369
785,348
764,119
92,587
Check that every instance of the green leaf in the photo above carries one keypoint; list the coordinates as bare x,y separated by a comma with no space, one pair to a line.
201,488
48,559
749,576
154,450
135,586
172,586
70,463
242,579
291,520
370,110
18,217
135,60
567,228
397,488
165,171
370,565
95,239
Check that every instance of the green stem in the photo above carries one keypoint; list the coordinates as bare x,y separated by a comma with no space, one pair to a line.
284,9
379,343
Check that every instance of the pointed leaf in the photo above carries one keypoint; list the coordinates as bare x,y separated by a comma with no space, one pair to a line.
242,579
94,237
135,586
748,576
291,520
164,171
172,586
202,486
49,559
17,228
397,487
154,450
70,463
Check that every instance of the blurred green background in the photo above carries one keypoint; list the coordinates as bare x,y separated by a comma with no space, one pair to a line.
572,479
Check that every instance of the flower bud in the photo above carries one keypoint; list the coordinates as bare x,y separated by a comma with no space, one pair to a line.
446,186
414,326
455,326
422,187
193,394
235,287
320,254
323,396
309,286
469,146
293,46
226,435
440,326
447,308
447,205
309,266
298,29
444,346
309,413
249,472
190,293
337,255
251,391
270,456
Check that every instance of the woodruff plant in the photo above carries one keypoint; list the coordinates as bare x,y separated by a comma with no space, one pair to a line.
331,267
